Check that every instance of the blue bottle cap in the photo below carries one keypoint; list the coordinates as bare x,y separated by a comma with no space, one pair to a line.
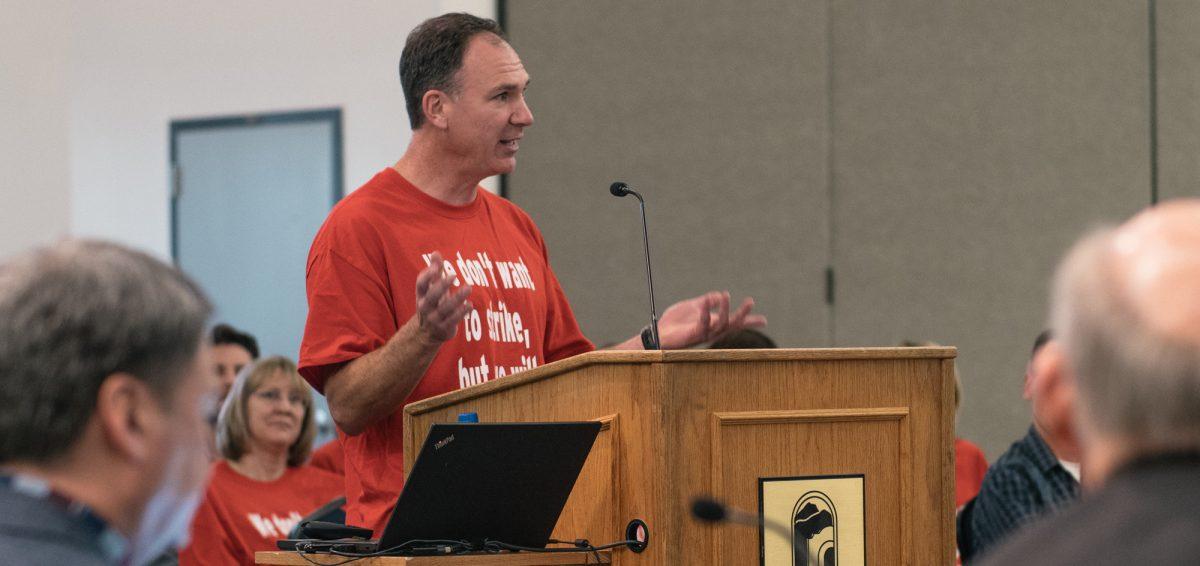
468,417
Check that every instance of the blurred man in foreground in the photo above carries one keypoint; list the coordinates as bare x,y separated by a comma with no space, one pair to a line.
106,385
1126,310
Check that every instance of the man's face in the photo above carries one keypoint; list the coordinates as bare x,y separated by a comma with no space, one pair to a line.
1052,399
182,426
275,412
228,360
487,116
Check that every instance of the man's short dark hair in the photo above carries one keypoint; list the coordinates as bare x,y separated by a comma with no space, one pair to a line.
1045,336
226,334
744,339
75,313
433,54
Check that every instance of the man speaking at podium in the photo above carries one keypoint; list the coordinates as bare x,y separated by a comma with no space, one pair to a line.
420,282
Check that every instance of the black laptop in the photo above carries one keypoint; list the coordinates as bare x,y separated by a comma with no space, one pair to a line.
505,482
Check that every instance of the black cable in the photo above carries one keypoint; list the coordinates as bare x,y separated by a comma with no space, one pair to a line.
580,543
459,546
305,557
578,548
446,546
451,547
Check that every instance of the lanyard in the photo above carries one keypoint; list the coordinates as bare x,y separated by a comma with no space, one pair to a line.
111,543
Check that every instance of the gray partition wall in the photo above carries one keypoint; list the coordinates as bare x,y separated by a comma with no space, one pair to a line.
719,120
1177,42
938,156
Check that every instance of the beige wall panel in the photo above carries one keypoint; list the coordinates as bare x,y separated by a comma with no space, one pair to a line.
973,142
716,112
1178,43
35,99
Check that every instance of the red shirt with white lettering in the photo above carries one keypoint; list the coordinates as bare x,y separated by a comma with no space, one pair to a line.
240,516
361,277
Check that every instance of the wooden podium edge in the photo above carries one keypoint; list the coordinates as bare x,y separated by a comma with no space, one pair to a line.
536,374
671,356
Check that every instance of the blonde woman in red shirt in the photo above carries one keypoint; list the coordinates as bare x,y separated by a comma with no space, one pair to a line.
262,486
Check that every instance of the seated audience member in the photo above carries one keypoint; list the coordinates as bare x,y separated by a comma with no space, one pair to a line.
105,387
1126,310
744,339
262,487
970,464
232,350
1037,475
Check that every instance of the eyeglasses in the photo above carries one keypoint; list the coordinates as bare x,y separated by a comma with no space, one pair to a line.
275,395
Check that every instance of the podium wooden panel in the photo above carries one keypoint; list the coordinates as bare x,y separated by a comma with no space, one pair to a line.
682,423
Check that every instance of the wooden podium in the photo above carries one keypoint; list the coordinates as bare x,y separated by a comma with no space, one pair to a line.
678,424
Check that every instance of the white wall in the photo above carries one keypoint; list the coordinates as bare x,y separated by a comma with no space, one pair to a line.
34,103
140,64
89,91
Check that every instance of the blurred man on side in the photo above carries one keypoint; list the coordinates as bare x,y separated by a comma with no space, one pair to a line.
106,386
1036,475
1126,309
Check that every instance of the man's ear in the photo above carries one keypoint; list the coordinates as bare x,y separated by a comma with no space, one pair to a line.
1030,377
435,105
1054,387
128,414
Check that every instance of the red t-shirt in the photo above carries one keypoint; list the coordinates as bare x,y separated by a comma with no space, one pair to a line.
361,277
240,516
969,468
330,458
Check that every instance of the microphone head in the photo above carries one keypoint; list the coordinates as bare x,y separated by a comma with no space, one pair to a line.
618,189
708,510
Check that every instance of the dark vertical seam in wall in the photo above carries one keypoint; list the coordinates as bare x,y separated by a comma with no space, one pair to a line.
502,19
338,155
1153,22
831,306
174,188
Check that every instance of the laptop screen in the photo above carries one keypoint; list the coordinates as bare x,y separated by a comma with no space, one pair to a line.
504,482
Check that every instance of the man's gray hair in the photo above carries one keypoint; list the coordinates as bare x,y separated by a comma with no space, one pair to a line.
1135,383
71,315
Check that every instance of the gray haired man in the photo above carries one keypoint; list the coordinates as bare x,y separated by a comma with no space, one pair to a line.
105,387
1126,308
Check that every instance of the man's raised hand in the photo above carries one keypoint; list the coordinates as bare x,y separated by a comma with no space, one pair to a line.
440,307
704,319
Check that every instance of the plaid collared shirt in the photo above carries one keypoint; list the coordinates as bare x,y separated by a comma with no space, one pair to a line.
1026,482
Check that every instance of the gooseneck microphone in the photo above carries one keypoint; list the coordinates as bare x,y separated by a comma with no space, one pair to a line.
713,511
650,342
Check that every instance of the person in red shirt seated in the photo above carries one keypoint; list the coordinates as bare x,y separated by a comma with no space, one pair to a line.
262,486
970,465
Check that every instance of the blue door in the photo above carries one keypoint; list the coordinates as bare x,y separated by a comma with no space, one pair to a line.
249,195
